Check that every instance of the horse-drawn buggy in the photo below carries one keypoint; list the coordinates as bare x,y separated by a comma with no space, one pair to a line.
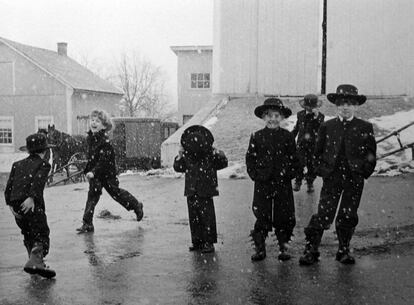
136,141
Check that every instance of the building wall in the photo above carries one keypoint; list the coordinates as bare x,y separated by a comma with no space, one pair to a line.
29,92
266,47
191,100
84,102
371,45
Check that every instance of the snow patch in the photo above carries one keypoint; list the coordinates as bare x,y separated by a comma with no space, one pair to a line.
400,162
210,122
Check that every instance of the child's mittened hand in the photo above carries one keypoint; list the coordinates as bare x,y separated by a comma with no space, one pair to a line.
180,152
27,205
89,175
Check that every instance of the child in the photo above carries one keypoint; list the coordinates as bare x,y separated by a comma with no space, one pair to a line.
24,196
101,172
200,162
306,129
272,163
345,156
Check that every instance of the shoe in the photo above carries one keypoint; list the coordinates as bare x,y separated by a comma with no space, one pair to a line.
296,186
85,228
345,258
139,211
309,258
36,265
207,248
195,247
284,256
311,189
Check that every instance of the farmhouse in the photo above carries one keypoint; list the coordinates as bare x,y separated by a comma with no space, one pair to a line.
40,87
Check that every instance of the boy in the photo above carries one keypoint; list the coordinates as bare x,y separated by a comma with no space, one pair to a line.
345,156
101,172
24,196
272,163
200,161
306,128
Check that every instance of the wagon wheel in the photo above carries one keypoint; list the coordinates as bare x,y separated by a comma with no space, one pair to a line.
78,160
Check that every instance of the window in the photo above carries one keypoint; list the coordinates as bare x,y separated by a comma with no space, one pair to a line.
186,118
41,122
6,130
200,80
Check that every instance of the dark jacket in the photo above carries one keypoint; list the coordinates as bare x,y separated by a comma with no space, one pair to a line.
271,156
306,128
359,143
101,156
201,173
27,179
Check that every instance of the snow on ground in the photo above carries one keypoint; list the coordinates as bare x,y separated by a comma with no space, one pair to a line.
402,161
210,122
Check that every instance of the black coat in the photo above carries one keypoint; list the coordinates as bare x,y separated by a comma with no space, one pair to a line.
101,156
360,147
201,173
271,156
306,128
27,179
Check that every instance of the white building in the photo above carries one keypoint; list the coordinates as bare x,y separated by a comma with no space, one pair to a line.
194,68
275,46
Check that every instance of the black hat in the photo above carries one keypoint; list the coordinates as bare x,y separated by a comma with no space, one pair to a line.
36,143
310,100
272,103
346,91
196,139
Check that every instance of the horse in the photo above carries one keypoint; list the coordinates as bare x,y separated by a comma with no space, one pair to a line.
67,149
49,156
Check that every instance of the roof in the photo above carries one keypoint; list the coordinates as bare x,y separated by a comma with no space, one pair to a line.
199,49
63,68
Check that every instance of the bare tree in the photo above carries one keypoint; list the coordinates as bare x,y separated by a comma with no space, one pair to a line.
143,85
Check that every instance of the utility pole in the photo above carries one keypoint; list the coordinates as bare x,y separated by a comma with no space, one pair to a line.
324,42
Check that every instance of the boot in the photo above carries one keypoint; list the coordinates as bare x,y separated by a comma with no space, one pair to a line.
139,211
344,239
311,254
297,185
259,246
195,247
35,264
85,228
207,248
283,238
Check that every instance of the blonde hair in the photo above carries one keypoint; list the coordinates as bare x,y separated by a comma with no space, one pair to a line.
104,117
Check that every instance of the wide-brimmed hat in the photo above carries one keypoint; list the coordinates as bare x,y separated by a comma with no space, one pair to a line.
310,100
346,91
197,139
36,142
273,103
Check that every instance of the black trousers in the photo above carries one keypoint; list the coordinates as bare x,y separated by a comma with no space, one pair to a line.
202,218
34,228
111,185
306,158
273,207
345,186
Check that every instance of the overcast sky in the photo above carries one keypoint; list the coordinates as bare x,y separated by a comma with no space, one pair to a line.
103,29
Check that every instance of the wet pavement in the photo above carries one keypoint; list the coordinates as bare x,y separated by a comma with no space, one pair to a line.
125,262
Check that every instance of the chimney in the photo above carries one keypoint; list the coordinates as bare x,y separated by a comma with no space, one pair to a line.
62,48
